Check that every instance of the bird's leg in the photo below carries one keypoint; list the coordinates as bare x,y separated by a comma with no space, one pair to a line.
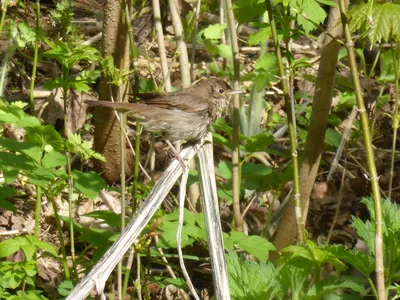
177,156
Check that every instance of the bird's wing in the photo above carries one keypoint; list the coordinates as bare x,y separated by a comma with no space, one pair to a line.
184,100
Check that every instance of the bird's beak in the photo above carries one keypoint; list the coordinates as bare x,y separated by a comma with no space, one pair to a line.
231,92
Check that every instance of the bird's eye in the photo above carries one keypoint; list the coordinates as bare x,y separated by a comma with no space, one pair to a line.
221,91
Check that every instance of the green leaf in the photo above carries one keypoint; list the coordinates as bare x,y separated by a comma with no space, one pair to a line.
8,247
254,245
13,114
31,150
225,169
110,218
41,176
310,13
386,67
259,37
65,287
246,10
333,284
7,205
47,247
364,262
45,135
224,51
214,32
75,144
385,23
346,101
88,183
252,280
54,159
55,83
259,143
314,255
26,35
251,170
266,62
11,163
381,22
332,137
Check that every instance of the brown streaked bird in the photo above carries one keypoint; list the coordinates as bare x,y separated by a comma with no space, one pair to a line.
186,115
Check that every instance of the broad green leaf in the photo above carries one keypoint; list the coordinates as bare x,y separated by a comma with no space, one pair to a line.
224,51
247,10
31,150
386,67
225,169
385,23
259,142
7,205
255,245
346,101
380,21
89,183
310,14
332,137
54,159
14,162
49,248
109,217
14,114
41,176
214,32
8,247
225,194
251,170
65,287
259,37
45,135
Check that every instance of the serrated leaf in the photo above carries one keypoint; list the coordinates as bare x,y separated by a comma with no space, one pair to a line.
214,32
332,284
224,51
385,23
251,280
381,22
310,14
363,261
259,37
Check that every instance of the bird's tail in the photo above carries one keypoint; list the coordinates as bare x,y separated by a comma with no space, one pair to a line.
122,107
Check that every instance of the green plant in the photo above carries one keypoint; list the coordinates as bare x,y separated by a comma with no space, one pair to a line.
20,273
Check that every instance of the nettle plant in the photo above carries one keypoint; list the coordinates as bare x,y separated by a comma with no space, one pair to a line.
302,271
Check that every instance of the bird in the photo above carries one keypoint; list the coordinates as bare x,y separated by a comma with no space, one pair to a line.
178,116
